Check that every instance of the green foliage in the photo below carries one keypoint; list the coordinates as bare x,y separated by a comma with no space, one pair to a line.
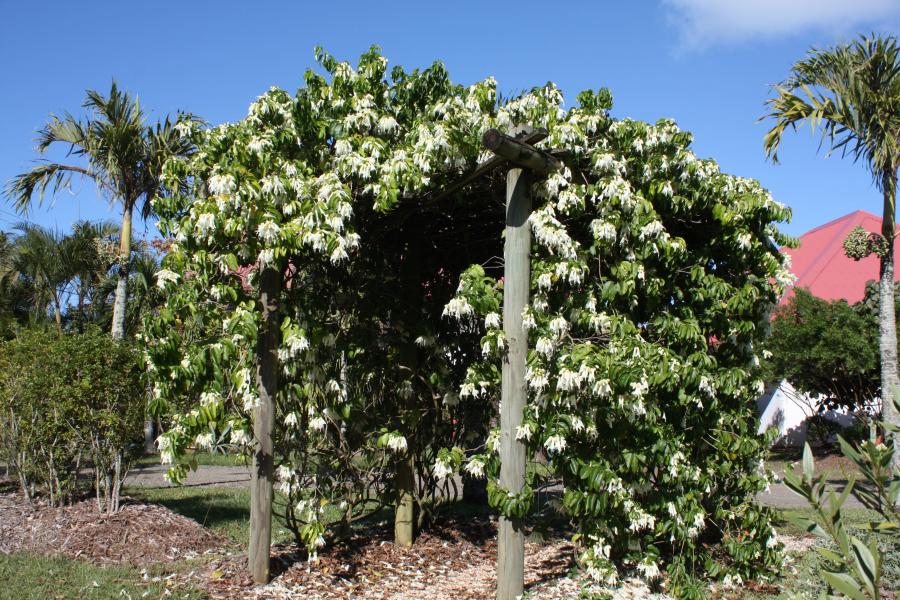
827,348
652,278
854,568
68,402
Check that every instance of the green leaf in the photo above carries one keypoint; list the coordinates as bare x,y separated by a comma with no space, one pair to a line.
845,584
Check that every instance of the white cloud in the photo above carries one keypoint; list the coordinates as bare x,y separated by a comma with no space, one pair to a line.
708,22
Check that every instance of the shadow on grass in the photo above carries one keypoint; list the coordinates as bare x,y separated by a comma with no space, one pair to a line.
224,510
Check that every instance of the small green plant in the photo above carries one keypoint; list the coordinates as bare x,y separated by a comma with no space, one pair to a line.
853,566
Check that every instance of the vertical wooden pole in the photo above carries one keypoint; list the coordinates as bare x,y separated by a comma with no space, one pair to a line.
262,473
517,274
409,316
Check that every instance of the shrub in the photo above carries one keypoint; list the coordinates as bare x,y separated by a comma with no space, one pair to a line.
66,401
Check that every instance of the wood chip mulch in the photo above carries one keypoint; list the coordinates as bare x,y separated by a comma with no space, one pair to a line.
139,534
454,561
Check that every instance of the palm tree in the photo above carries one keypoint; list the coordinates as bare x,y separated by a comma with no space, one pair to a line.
39,265
123,157
851,94
91,253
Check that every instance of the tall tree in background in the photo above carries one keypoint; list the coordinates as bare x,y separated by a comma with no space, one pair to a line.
851,94
122,155
40,265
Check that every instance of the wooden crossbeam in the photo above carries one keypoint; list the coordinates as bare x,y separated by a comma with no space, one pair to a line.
528,136
520,153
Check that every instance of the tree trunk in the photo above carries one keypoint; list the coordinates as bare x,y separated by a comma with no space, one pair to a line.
57,314
121,298
887,322
262,473
517,268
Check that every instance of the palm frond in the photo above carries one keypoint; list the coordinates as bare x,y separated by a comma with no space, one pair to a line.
850,94
46,176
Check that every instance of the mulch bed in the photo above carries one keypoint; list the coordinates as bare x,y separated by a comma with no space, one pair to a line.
453,561
139,534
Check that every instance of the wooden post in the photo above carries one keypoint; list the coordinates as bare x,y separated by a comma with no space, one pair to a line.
408,315
517,274
263,471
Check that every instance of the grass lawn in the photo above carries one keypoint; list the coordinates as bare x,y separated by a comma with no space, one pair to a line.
32,577
831,463
203,458
225,511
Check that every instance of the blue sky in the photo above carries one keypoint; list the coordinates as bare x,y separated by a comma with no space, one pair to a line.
706,63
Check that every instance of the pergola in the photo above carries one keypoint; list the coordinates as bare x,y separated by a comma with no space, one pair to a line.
523,164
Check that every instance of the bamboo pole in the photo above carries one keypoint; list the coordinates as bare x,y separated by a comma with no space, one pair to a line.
262,473
517,273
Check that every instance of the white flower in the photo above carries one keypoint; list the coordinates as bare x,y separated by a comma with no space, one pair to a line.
744,241
458,308
291,420
492,321
442,470
296,344
268,231
568,381
221,185
528,321
648,568
545,281
537,378
523,432
475,467
164,276
397,443
559,326
266,257
239,437
251,401
602,388
544,346
603,231
651,230
555,444
386,124
209,399
667,189
206,223
317,423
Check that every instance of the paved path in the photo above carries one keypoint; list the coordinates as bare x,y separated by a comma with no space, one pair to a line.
210,476
779,496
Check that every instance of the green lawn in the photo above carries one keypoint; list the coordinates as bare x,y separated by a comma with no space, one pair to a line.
203,458
226,511
32,577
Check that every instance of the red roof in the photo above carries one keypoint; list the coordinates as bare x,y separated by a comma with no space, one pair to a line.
822,267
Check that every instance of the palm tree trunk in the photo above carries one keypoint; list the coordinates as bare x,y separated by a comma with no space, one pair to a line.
121,299
57,314
887,321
